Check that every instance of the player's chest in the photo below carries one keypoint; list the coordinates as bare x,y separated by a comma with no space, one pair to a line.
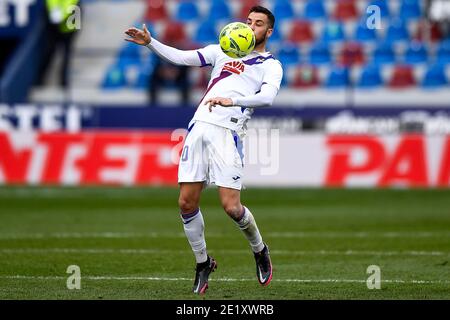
239,69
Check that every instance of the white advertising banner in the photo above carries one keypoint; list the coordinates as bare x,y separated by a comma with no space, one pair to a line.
349,160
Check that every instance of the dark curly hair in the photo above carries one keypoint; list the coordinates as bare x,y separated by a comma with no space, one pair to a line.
266,11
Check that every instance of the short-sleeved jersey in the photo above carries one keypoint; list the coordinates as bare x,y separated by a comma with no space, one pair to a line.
231,78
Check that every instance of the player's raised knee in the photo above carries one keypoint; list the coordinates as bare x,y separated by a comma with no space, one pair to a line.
187,205
233,210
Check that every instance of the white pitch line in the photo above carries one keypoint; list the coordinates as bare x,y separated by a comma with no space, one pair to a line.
362,234
223,251
126,235
87,235
123,278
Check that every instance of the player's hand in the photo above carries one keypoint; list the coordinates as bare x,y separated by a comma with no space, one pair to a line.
141,37
224,102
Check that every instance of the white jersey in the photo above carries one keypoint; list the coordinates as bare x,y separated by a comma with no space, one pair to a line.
235,78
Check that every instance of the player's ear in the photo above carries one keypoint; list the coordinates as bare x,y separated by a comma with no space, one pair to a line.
269,32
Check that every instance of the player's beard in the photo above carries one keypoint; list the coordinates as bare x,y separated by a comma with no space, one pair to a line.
261,40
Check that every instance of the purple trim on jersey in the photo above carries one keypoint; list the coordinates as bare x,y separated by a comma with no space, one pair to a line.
221,76
257,60
189,130
202,60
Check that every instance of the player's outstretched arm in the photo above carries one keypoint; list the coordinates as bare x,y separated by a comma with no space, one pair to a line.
141,37
219,101
169,54
264,98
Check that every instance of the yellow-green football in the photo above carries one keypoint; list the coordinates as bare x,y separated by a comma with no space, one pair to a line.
237,40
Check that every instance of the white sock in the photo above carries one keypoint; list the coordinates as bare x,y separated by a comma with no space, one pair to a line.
248,226
194,227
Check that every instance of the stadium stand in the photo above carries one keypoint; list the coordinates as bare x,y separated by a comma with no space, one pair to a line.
402,77
306,77
345,10
156,10
219,10
319,36
320,54
370,77
301,32
338,77
434,77
314,10
187,11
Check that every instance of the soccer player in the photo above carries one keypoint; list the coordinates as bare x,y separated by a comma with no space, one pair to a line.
212,151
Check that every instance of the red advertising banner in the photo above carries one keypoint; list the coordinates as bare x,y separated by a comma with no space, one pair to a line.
90,157
151,158
406,163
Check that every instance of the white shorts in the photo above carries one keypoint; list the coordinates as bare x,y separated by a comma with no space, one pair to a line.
212,154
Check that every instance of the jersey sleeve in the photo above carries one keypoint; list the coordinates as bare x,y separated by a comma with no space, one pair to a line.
274,74
196,58
263,98
269,88
208,55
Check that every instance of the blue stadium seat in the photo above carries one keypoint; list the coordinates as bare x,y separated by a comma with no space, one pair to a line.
370,77
149,26
338,77
443,53
129,51
276,34
289,54
206,32
145,71
333,32
129,54
319,54
383,5
187,11
397,31
434,77
219,10
114,78
285,82
283,10
416,53
143,80
364,34
314,9
384,54
128,62
410,9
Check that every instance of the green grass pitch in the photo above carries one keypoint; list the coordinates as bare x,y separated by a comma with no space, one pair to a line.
129,244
